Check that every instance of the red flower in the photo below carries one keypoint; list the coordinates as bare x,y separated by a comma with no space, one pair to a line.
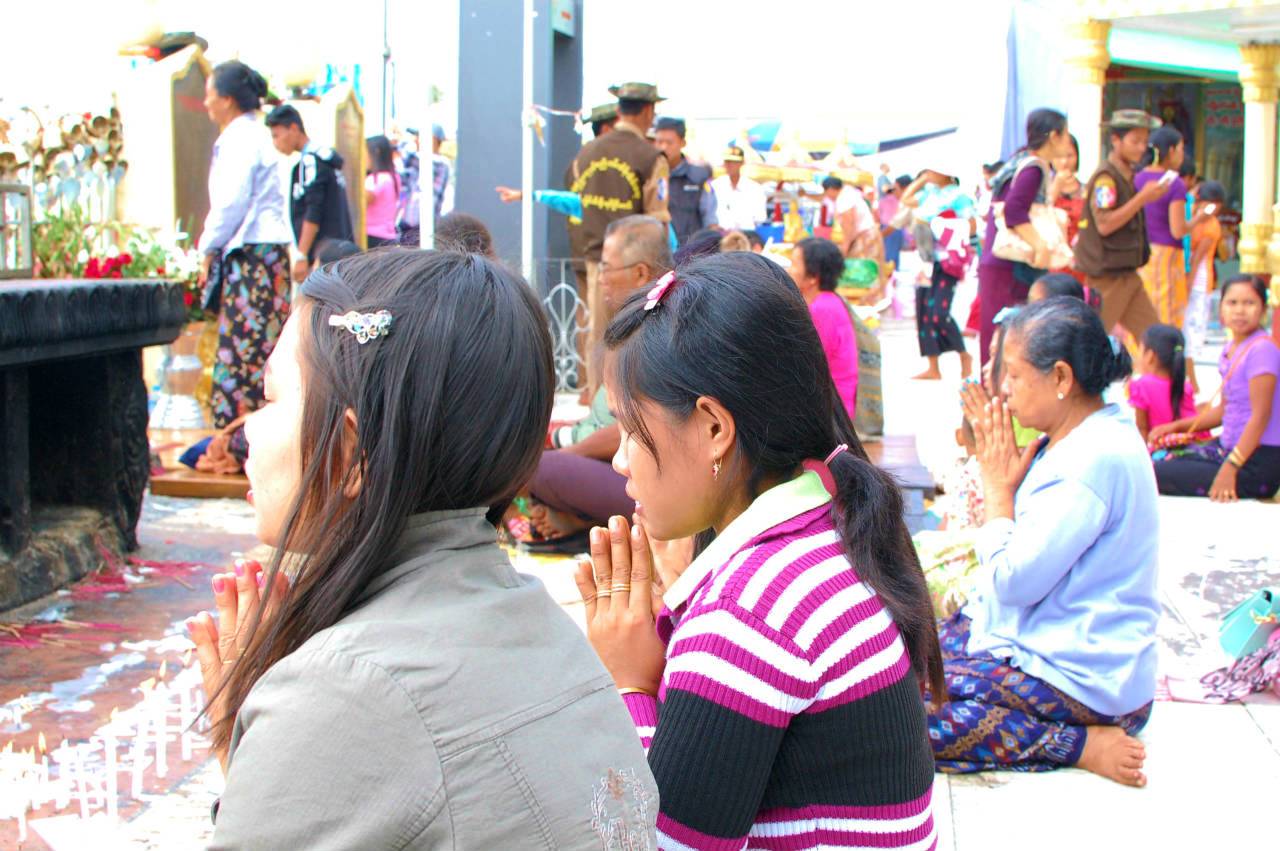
125,259
91,269
160,271
188,297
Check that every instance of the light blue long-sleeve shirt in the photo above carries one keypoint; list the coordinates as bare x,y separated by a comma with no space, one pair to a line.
1069,592
246,196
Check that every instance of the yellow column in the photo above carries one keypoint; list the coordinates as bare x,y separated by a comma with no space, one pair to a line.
1087,62
1259,81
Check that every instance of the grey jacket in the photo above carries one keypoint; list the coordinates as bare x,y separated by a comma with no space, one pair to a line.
456,707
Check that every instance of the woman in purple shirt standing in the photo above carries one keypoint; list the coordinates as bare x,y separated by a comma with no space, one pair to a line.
1245,459
1022,181
1165,275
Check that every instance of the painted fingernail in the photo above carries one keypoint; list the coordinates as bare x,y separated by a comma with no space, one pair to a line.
262,579
239,567
218,585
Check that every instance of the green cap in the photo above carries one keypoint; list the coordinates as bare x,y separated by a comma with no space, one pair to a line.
636,91
1132,119
603,112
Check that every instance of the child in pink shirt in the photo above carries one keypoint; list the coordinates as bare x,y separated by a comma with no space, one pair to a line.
1162,393
816,266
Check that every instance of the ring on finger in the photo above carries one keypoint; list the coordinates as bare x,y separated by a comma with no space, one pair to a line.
604,592
620,588
590,598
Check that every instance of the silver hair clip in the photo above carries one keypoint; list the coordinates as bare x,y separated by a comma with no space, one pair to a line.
365,326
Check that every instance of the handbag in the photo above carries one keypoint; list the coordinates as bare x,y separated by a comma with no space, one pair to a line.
1247,627
1050,223
211,297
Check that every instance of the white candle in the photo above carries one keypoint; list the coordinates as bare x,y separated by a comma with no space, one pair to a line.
137,756
81,781
109,758
159,706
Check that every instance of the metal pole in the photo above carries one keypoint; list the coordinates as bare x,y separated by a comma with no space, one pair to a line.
526,149
386,58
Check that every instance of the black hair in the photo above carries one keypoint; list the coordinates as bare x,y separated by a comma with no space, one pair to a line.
1253,281
903,181
675,125
332,250
463,232
380,159
1187,169
1212,191
1041,124
1162,141
754,237
733,327
823,260
993,167
832,182
469,344
1169,346
1062,329
631,106
285,115
1075,145
241,83
597,126
1060,283
702,243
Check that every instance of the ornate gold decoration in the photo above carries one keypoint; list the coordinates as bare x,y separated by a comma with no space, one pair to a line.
1253,247
1258,76
1087,54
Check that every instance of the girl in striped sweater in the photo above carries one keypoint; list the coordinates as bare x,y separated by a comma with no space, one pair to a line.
779,691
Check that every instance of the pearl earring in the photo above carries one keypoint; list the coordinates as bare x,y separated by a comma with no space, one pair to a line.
715,469
1061,397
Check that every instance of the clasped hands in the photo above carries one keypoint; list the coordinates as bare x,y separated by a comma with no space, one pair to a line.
1003,465
622,587
219,643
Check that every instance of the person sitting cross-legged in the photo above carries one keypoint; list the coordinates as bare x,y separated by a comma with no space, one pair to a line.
575,486
1052,661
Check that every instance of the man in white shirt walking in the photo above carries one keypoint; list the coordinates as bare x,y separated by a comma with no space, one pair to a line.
740,201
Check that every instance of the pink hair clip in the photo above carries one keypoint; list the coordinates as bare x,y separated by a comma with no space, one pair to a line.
844,447
659,290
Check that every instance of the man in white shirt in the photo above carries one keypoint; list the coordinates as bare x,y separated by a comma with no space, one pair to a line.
740,201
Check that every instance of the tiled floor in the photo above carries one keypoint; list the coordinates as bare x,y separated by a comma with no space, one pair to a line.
1214,770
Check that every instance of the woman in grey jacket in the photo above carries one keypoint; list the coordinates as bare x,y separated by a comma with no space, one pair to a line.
407,688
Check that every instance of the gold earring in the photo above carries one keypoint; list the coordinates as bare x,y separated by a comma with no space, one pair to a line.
715,469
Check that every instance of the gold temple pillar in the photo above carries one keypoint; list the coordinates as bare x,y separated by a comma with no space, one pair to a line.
1087,61
1259,82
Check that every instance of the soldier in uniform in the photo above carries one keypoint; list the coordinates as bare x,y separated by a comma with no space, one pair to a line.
617,175
318,191
1112,245
692,203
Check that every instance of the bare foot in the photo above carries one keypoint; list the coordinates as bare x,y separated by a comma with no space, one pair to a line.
553,525
928,375
1112,753
966,364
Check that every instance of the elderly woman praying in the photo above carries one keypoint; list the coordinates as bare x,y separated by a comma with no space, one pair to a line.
1052,661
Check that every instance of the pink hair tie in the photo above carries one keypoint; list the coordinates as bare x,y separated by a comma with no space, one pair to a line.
659,290
844,447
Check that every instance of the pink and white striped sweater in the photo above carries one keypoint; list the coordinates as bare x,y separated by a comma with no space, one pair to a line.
788,716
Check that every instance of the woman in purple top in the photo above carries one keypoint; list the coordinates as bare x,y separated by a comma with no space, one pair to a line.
816,265
1245,459
1019,184
1165,275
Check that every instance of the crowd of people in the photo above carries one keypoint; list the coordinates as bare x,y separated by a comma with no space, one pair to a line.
769,667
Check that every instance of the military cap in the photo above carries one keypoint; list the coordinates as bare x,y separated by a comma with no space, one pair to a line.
1132,119
636,91
667,122
734,155
603,112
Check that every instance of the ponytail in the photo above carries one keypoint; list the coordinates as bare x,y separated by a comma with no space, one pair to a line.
867,512
1169,346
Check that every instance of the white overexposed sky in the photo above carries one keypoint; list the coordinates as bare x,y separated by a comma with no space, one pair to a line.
871,68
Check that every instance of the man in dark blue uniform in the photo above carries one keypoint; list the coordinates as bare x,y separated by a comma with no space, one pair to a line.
318,191
691,201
